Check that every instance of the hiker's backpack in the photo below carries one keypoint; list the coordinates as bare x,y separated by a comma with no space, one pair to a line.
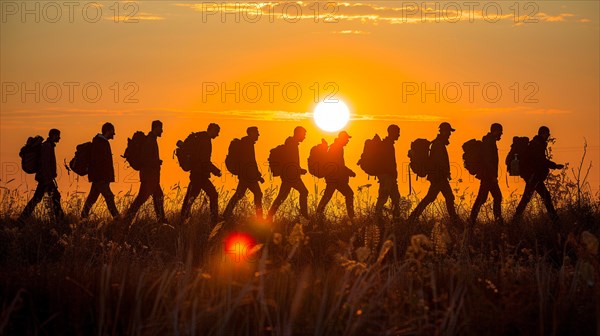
517,160
232,160
318,160
80,164
134,153
277,160
370,159
419,157
185,150
30,154
472,156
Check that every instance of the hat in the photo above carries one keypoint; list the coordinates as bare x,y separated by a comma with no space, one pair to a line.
446,127
344,134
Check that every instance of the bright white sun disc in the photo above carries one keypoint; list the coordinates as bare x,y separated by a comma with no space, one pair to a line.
331,115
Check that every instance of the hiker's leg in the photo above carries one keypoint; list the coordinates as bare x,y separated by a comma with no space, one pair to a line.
497,195
258,195
193,191
91,199
141,198
240,191
109,198
38,195
446,190
482,196
327,194
213,199
384,193
432,193
158,199
547,198
395,197
348,193
284,191
530,187
303,198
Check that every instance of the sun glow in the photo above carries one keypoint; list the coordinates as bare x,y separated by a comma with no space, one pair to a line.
239,246
331,115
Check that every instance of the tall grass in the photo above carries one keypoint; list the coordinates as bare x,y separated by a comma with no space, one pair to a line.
95,277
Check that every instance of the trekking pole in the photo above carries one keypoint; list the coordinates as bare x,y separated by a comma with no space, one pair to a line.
409,181
67,167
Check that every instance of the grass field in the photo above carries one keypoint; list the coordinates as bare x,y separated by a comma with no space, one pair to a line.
93,277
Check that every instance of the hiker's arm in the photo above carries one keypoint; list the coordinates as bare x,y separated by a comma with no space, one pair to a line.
215,170
487,156
553,165
46,164
350,172
547,162
204,153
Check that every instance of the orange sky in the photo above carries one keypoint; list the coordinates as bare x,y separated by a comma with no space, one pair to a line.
368,52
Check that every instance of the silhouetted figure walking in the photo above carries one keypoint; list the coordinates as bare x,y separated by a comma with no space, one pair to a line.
150,176
338,175
541,165
388,178
200,173
101,171
489,175
438,175
248,174
291,174
45,177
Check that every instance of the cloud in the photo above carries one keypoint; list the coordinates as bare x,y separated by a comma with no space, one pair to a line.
135,18
555,18
549,111
518,109
405,12
56,114
351,32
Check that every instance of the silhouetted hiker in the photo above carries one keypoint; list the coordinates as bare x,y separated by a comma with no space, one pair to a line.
244,158
438,175
101,171
388,176
150,176
540,165
201,169
290,172
337,175
45,176
489,175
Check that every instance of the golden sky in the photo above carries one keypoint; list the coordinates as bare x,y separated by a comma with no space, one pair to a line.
172,61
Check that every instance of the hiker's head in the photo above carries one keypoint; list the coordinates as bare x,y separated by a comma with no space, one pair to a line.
544,132
253,133
213,130
157,128
108,130
299,133
393,132
496,130
343,137
54,135
446,130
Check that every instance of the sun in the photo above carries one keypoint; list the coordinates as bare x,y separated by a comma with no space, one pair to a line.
331,115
